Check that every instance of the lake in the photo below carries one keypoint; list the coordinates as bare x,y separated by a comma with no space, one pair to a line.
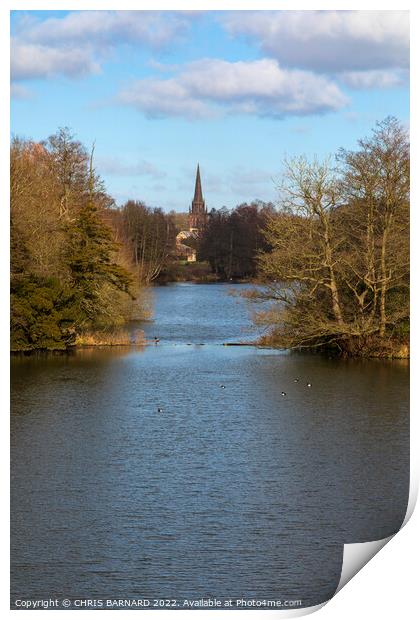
226,492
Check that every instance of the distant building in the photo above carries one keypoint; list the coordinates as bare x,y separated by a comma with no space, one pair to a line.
197,221
198,211
185,252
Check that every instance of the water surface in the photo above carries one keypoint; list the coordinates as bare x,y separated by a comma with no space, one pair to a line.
228,492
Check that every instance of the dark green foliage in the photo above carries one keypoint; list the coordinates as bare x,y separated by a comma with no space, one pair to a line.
43,314
89,258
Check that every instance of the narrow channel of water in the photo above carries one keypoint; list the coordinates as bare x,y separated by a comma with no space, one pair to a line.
233,491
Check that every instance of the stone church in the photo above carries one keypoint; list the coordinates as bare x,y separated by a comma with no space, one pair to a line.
197,219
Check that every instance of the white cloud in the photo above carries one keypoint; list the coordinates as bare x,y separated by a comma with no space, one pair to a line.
30,61
118,167
75,45
374,79
327,41
159,98
309,55
210,87
103,28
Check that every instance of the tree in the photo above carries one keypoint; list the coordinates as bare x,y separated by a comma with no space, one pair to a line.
43,314
67,270
306,254
233,239
89,256
377,185
68,163
35,206
151,236
337,274
41,304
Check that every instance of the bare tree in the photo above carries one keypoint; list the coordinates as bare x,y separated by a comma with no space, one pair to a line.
339,268
304,239
151,235
377,184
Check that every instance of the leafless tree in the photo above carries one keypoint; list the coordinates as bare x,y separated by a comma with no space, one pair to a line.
339,266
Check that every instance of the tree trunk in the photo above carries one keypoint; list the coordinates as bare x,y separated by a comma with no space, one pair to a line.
384,280
335,298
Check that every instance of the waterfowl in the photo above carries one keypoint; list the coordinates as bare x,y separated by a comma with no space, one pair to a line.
309,385
223,387
160,410
283,393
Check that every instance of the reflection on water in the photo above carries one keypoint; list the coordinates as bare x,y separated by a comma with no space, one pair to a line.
201,313
236,492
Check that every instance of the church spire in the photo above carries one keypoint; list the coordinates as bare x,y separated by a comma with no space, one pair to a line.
198,194
198,211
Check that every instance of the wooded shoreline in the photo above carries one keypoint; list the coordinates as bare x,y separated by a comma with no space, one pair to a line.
331,260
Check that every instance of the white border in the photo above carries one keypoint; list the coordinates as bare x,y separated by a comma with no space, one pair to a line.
386,587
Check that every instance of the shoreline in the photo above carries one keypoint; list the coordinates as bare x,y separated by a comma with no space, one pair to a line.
205,281
401,354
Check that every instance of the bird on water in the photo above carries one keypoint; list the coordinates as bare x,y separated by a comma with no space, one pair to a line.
283,393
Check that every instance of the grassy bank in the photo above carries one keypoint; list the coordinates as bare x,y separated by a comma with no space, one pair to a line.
120,337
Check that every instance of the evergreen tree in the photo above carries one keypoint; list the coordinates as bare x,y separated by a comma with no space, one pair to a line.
43,314
89,257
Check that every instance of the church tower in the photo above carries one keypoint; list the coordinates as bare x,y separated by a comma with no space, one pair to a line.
198,211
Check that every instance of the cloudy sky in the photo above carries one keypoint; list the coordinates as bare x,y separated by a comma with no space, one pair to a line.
236,91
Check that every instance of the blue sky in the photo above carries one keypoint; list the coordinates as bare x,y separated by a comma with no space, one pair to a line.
236,91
